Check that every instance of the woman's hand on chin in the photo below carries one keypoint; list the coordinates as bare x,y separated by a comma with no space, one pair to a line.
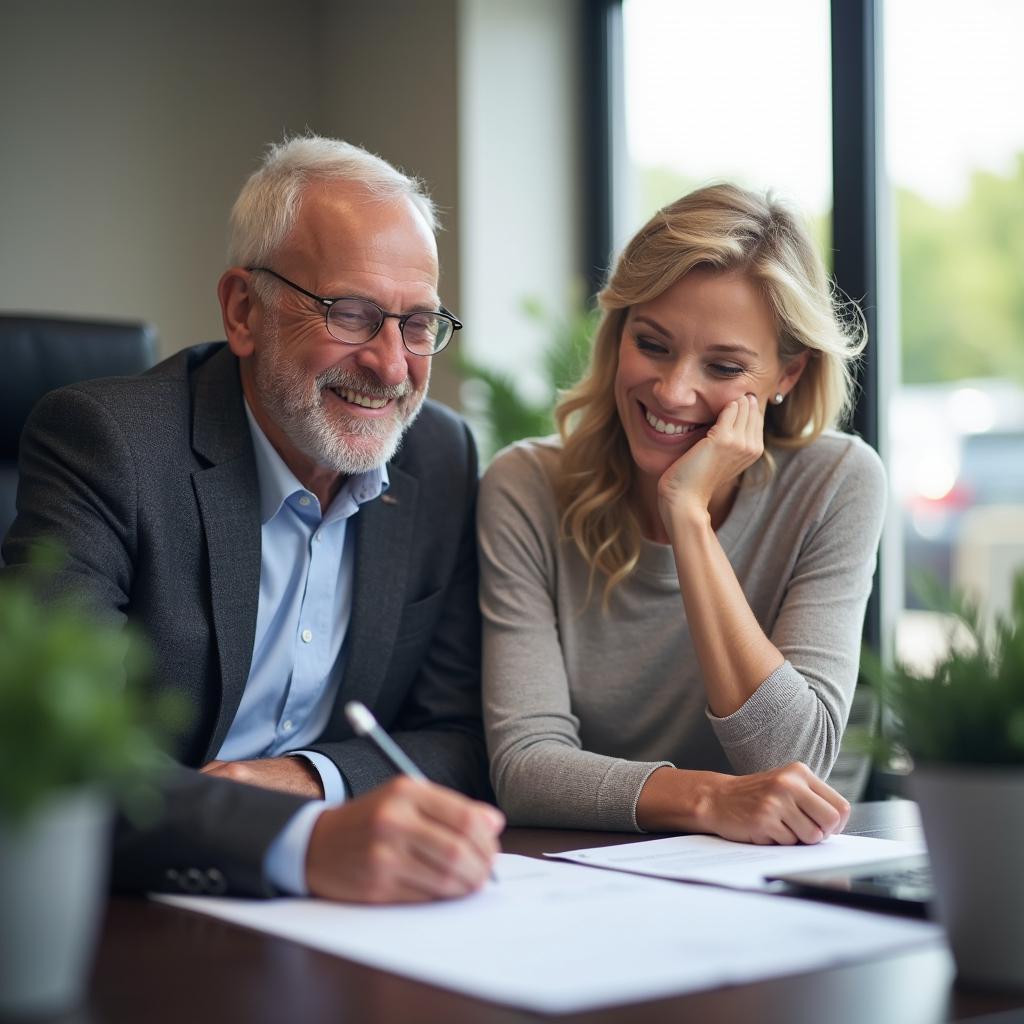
735,442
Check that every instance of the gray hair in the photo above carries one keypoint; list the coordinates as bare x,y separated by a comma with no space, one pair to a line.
268,205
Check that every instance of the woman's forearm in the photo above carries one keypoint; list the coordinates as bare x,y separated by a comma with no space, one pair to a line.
547,783
734,653
676,800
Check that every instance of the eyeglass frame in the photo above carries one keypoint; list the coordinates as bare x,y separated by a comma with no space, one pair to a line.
402,318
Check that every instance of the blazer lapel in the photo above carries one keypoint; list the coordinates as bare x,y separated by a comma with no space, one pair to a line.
227,492
383,542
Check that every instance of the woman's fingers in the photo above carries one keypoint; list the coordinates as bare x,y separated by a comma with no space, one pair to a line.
784,805
725,423
817,810
755,422
836,800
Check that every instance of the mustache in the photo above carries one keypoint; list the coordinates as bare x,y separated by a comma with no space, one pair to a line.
365,384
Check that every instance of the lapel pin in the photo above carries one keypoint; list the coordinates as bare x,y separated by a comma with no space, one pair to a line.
387,499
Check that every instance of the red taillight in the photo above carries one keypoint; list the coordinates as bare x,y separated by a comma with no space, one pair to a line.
956,499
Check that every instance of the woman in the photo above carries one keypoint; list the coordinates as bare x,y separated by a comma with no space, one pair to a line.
697,460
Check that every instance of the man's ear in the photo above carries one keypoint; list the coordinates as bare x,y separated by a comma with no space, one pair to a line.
238,309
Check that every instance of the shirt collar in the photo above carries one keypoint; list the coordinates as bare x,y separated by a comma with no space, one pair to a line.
277,483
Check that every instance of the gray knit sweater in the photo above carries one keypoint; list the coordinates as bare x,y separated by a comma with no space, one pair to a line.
581,705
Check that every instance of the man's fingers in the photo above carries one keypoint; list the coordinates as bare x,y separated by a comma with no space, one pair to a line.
426,861
453,855
380,849
422,878
480,823
453,839
447,868
394,875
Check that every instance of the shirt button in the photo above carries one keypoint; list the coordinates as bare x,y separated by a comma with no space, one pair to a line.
287,725
317,538
307,636
304,500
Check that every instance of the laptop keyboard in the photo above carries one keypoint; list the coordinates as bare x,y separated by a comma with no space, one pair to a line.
906,883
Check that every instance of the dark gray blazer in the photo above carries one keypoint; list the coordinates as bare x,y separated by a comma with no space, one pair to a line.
150,484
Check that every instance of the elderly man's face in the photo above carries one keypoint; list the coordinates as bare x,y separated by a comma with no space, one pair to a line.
333,406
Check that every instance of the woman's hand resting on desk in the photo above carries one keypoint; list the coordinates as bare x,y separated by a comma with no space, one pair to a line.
786,805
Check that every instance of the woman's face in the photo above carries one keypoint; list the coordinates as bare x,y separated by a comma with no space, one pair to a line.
708,339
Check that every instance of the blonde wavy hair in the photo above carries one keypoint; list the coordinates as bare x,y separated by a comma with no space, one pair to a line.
726,228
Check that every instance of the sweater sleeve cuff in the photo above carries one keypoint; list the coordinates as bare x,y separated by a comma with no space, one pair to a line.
652,768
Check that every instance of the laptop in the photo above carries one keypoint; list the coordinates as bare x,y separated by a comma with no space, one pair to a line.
902,884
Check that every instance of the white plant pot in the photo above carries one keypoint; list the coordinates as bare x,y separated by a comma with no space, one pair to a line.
973,819
53,885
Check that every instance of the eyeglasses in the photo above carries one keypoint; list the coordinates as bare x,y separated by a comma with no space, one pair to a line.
355,321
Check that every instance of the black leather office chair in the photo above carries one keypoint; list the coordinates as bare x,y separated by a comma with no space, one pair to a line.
38,354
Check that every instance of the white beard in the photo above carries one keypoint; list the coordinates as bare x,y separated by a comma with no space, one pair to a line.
315,421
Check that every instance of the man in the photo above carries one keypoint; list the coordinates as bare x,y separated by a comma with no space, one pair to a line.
244,503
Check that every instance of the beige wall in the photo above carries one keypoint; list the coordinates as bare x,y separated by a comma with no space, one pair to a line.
128,127
389,84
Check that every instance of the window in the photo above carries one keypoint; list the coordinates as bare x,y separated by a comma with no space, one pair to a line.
954,87
734,90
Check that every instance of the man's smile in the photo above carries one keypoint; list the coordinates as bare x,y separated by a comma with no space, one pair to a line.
360,399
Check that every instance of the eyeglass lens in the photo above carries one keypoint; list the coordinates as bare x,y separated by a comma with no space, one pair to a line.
355,321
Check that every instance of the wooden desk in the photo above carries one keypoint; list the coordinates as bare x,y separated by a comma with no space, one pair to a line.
161,964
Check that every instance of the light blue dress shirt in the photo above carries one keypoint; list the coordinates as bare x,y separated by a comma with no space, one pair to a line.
305,603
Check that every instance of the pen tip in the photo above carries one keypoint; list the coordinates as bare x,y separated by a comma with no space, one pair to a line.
359,717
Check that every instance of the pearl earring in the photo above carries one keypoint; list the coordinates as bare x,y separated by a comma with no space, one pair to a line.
778,398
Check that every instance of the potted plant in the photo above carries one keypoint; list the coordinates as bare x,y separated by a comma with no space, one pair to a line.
962,726
75,739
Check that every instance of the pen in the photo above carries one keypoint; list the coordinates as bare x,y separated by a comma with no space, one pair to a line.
360,717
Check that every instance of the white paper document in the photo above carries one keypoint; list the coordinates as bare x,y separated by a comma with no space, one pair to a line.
740,865
556,938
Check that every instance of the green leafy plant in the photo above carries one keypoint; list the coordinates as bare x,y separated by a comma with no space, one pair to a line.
72,708
507,413
970,708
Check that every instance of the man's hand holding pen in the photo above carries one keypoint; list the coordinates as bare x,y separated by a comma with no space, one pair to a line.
407,841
